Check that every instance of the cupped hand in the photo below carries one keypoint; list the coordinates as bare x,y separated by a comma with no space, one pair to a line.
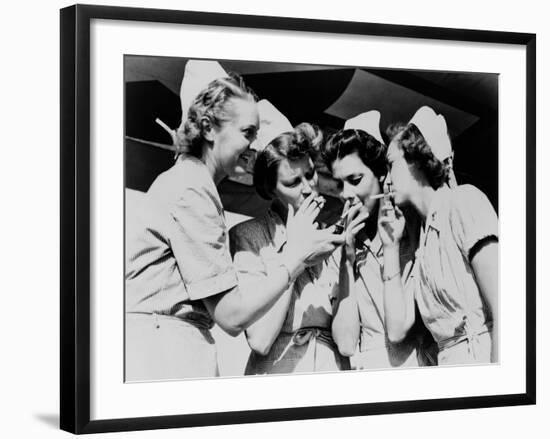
355,221
391,225
305,241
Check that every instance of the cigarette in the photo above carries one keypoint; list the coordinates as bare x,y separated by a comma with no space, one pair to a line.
376,197
345,214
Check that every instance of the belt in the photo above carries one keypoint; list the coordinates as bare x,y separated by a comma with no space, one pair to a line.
192,319
465,333
309,333
310,336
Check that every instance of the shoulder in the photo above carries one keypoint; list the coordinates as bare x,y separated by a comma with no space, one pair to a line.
248,236
186,178
250,230
467,193
253,224
473,217
469,200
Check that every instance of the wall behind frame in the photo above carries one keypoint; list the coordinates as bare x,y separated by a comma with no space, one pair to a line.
30,219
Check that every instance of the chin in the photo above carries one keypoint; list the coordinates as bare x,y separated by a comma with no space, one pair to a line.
402,201
237,171
368,206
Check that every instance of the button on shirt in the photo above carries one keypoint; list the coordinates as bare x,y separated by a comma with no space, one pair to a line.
447,295
180,252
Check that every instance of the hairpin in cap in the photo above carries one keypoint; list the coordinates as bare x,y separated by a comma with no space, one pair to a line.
368,122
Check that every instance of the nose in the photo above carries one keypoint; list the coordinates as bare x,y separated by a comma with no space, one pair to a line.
306,187
249,157
347,192
388,184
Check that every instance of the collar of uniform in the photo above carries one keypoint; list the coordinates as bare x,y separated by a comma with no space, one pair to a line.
440,200
194,168
188,163
370,247
376,245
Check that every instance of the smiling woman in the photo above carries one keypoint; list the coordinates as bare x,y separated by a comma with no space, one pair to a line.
180,278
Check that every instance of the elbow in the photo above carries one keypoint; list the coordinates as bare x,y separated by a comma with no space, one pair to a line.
346,349
396,336
234,331
230,328
231,323
260,347
397,329
346,343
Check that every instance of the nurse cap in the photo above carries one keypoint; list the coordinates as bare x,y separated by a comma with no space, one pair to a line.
368,122
433,128
272,124
198,74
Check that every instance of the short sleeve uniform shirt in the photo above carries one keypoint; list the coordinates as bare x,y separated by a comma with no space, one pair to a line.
180,253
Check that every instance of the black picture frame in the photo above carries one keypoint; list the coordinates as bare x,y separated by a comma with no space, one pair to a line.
75,217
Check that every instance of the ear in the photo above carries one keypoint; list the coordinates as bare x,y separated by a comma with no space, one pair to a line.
207,129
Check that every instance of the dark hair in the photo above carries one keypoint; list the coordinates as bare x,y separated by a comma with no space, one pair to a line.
211,103
417,152
345,142
303,141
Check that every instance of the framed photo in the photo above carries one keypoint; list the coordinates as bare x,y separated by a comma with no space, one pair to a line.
137,83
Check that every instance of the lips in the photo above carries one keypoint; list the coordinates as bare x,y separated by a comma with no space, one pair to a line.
248,158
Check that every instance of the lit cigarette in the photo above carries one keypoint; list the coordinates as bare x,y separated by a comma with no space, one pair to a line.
376,197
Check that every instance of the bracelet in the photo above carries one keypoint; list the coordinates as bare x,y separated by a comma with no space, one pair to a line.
388,278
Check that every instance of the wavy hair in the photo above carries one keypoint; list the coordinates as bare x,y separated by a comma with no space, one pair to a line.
304,141
345,142
212,104
417,152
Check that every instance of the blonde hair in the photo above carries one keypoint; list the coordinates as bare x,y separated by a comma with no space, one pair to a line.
212,104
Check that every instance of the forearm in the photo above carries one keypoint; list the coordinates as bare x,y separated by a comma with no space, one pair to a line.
485,266
261,334
346,321
236,309
398,305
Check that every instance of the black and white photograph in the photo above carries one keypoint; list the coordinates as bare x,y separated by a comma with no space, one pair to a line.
277,219
287,218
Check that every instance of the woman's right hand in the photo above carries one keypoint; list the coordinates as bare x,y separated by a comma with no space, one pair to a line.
391,225
355,221
305,242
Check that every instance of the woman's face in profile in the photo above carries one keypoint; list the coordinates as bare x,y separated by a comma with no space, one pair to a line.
296,179
233,137
355,180
403,180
